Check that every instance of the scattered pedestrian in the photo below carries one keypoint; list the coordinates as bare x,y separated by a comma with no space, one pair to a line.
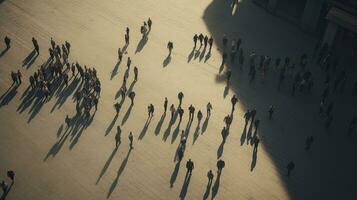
7,41
136,73
131,140
189,166
271,111
220,165
118,136
290,167
209,108
165,104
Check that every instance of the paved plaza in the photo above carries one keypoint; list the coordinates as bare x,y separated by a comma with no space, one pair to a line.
52,161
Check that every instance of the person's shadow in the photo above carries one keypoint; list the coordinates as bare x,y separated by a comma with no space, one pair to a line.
4,195
145,128
205,125
174,174
215,187
6,49
196,134
185,187
175,133
111,125
190,56
254,159
115,70
225,92
166,61
127,114
120,171
107,164
208,188
141,44
159,124
220,149
207,57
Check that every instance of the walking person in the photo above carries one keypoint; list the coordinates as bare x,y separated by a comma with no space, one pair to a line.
195,37
209,108
120,54
191,112
132,96
172,109
118,136
180,112
149,24
136,73
290,167
170,46
165,104
210,42
180,97
210,177
199,117
67,121
117,107
220,165
7,41
35,45
247,115
131,137
271,111
11,175
189,166
19,76
234,101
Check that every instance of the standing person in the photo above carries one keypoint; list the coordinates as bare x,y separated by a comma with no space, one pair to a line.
7,41
224,134
191,112
118,136
209,108
189,166
205,40
35,45
180,97
308,143
256,143
220,165
290,167
53,43
95,101
247,115
210,177
131,139
170,46
165,104
120,54
19,76
228,74
234,101
68,121
149,24
117,107
271,111
210,42
11,175
127,36
128,63
132,96
228,120
199,117
136,71
200,37
172,109
195,37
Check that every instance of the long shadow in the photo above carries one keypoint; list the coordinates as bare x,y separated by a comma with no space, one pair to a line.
190,56
8,95
196,134
159,124
188,128
115,70
29,58
107,164
58,145
208,55
208,188
127,114
4,195
6,49
174,174
120,171
166,61
131,87
29,64
215,187
145,128
205,125
167,132
141,44
175,133
243,136
220,149
111,125
202,54
185,187
254,160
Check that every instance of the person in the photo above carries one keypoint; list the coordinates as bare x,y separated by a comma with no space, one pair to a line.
172,109
120,54
210,177
180,97
149,24
53,43
191,112
290,167
183,139
308,143
7,41
220,165
118,136
180,111
256,143
131,139
132,96
228,120
170,46
228,74
209,108
117,107
11,175
127,36
200,37
136,73
234,101
271,111
180,153
68,46
224,134
253,112
4,187
224,57
128,63
247,115
256,124
199,117
35,44
210,42
195,40
19,76
189,166
68,121
205,40
165,104
149,110
95,101
224,41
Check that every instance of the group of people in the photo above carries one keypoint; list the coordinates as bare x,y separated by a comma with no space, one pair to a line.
204,40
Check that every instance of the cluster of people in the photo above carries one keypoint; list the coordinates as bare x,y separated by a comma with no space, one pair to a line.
16,77
204,40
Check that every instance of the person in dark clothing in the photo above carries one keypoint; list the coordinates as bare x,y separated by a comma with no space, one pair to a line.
247,116
118,136
172,109
180,112
290,167
131,137
200,38
189,166
209,108
210,177
180,97
271,111
234,101
35,44
195,37
149,24
11,175
220,165
7,41
210,42
205,40
165,104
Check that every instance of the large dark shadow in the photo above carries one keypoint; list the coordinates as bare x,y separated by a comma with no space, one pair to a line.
145,128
